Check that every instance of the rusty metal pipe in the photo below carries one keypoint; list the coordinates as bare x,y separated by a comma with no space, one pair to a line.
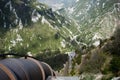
24,69
47,69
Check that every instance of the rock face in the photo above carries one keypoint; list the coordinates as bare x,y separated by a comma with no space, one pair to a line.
25,12
14,11
95,18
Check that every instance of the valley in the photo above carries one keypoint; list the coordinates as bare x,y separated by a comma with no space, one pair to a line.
86,29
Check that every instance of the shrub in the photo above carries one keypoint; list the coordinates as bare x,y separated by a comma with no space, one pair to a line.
115,65
92,62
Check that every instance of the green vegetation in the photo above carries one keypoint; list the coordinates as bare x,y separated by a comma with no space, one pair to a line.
115,65
95,17
32,39
43,38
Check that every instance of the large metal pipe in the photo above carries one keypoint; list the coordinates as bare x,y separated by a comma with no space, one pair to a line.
6,74
24,69
47,69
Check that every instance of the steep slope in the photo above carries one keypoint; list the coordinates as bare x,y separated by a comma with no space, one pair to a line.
96,18
14,12
11,10
33,27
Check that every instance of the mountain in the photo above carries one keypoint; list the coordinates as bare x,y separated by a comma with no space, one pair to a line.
89,29
33,28
25,12
58,4
30,26
87,20
99,24
95,18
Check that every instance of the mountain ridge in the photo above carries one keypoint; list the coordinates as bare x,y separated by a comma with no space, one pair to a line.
30,16
93,17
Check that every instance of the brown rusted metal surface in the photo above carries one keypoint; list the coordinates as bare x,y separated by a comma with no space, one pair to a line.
47,69
9,75
24,69
15,67
3,75
40,69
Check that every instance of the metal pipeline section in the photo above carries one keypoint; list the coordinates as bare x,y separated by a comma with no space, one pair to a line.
24,69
